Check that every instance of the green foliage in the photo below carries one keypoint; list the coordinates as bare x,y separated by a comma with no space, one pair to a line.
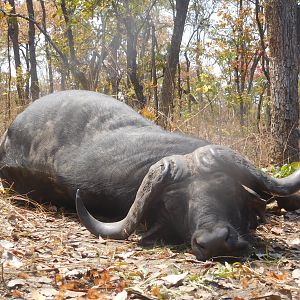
285,170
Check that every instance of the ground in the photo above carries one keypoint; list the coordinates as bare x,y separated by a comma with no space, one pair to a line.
47,254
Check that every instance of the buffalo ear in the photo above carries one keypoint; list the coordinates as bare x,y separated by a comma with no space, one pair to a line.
258,208
257,205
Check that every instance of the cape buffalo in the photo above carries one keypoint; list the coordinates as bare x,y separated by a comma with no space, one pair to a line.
123,166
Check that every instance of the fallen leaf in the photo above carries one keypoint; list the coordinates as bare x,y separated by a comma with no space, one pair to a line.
244,283
125,255
277,230
75,274
73,294
58,278
155,290
121,296
174,279
48,292
278,276
17,294
71,285
187,289
93,294
44,279
260,270
23,275
104,279
35,295
6,244
296,274
294,242
15,282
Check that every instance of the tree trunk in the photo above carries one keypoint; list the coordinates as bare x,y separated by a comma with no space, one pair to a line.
153,69
188,84
76,72
268,108
8,106
63,79
13,32
34,88
112,67
27,61
47,50
168,85
259,106
265,62
131,55
240,69
284,61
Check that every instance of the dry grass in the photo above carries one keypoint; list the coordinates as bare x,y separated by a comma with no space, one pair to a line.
8,115
223,128
220,127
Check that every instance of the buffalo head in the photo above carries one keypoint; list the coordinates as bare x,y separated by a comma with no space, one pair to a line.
210,199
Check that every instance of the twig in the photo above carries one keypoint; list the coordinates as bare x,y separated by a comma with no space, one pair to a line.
139,293
2,275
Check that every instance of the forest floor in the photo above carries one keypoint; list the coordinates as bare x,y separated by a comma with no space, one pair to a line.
47,254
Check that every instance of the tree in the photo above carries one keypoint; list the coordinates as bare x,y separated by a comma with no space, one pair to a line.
238,52
284,68
265,63
131,54
35,89
168,85
47,49
74,63
13,32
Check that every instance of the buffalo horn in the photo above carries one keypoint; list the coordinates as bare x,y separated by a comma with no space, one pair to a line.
154,181
220,158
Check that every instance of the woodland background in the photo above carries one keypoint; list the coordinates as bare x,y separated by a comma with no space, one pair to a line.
225,70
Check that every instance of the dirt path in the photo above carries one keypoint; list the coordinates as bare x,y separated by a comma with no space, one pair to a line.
49,255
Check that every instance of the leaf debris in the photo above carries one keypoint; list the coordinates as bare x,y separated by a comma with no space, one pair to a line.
46,254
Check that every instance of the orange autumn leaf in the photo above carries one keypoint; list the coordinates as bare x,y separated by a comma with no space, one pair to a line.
93,294
17,294
281,276
71,285
23,275
244,283
58,278
156,291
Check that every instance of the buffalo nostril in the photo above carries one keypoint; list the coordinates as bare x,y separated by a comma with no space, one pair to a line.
227,234
209,243
223,234
217,242
201,244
